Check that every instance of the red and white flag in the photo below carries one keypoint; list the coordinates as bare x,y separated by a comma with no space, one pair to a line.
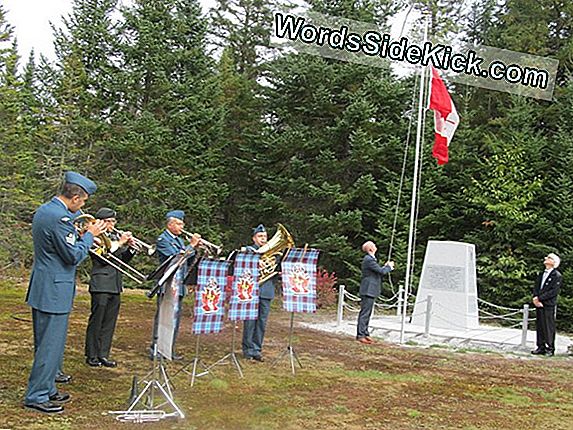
445,116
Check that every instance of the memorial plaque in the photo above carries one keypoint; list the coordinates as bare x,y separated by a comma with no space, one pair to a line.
446,278
449,276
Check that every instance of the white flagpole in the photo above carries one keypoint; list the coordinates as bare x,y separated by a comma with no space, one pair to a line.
419,133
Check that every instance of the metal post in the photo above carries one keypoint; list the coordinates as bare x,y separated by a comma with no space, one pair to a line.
417,155
373,309
400,294
340,311
428,315
524,326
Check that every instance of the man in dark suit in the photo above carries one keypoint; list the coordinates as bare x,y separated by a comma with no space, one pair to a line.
545,300
169,243
105,288
370,288
254,330
57,251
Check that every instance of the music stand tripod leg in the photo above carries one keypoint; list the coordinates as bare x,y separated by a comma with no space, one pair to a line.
232,356
289,349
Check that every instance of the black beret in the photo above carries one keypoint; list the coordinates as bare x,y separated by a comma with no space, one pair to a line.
104,213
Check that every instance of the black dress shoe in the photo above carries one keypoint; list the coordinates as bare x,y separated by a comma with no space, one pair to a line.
93,362
63,379
60,398
46,407
538,351
256,358
107,363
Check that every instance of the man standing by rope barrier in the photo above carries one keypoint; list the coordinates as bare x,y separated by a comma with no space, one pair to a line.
370,288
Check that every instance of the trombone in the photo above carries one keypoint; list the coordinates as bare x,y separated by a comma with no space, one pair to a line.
210,247
103,250
139,245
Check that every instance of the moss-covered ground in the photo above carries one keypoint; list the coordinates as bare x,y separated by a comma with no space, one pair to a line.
343,385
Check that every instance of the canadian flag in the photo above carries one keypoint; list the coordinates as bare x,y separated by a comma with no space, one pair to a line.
445,116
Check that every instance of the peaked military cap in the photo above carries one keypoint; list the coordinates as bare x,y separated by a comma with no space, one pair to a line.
75,178
175,214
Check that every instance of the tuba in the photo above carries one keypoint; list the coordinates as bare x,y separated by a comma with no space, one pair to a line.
281,240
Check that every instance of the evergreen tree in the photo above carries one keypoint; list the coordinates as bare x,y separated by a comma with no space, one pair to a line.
166,151
333,150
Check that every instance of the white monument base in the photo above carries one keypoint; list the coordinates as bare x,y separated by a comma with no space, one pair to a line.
449,277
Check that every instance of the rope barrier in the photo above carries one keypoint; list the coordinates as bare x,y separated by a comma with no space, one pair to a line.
497,306
351,309
500,316
483,314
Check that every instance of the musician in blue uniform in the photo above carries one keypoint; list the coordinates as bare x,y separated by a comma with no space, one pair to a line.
254,330
57,251
169,243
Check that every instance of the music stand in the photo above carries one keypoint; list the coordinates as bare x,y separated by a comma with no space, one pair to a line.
231,356
195,363
289,350
157,385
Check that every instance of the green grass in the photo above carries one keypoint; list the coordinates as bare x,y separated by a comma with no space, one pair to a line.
342,386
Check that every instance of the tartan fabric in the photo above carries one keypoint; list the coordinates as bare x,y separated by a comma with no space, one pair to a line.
244,302
299,280
210,296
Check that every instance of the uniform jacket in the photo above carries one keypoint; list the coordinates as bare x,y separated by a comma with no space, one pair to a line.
57,251
372,273
547,293
167,245
267,288
105,278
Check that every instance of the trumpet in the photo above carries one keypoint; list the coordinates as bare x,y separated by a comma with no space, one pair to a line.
210,247
138,244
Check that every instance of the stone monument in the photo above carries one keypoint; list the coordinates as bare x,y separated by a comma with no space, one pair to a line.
449,276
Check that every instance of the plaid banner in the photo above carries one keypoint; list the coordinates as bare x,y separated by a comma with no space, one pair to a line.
299,280
244,303
210,297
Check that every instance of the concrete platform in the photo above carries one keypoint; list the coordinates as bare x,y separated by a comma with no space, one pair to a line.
487,337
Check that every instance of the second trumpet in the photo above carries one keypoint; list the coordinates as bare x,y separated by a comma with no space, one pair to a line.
211,248
138,244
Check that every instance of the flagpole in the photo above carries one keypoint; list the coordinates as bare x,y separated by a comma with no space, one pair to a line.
419,133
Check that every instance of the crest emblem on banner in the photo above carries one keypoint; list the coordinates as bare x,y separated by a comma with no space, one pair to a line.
210,297
245,287
299,280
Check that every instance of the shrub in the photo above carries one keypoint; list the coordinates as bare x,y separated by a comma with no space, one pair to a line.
325,288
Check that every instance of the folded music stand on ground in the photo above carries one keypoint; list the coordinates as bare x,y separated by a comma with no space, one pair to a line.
157,386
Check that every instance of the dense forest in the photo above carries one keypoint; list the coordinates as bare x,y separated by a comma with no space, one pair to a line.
165,107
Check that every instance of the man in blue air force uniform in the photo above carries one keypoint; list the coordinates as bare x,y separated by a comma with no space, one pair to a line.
254,330
169,243
57,251
370,288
